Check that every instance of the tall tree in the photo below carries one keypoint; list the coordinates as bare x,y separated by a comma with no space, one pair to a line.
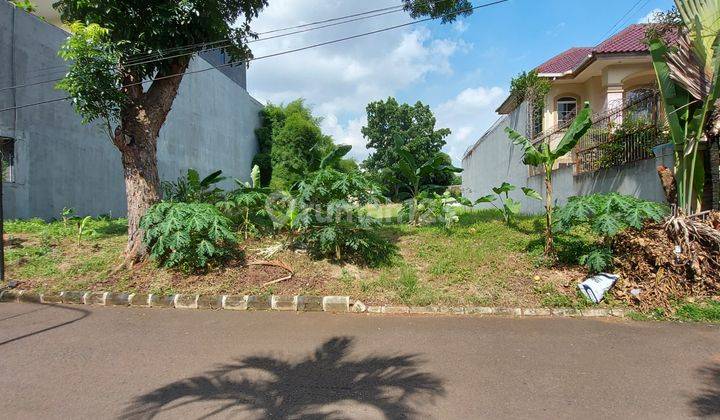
414,125
298,144
106,77
107,81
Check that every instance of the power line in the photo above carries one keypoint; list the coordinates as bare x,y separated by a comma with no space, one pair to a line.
619,21
307,47
202,45
226,42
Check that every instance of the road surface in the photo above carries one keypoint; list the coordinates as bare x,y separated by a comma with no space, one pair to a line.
89,362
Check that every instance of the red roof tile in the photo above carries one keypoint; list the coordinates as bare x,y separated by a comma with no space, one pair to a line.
565,61
630,39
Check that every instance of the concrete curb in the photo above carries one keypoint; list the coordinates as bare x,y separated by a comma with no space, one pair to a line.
300,303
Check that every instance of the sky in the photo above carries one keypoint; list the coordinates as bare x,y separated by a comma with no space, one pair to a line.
461,69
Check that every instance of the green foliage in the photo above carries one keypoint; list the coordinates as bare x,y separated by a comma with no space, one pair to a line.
546,157
192,189
332,222
92,81
597,260
245,206
528,86
509,207
298,144
25,5
414,127
189,236
639,133
449,10
137,28
82,228
687,117
431,208
606,215
409,175
699,312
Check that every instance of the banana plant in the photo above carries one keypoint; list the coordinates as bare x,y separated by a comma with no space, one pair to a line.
508,206
546,157
412,175
689,81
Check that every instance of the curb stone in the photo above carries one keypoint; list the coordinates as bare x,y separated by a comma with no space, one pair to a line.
299,303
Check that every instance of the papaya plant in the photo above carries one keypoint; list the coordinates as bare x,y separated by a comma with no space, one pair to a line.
546,157
246,205
508,206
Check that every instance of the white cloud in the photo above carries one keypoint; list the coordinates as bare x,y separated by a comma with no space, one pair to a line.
468,115
339,80
460,26
650,17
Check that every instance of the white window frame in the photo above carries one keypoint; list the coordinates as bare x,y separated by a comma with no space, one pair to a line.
565,100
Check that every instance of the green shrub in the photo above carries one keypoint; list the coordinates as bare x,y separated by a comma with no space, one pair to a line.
189,236
333,224
508,207
432,208
192,189
606,215
245,206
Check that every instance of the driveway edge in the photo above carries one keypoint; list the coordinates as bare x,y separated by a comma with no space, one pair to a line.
299,303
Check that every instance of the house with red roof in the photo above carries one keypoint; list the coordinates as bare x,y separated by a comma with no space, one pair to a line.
619,153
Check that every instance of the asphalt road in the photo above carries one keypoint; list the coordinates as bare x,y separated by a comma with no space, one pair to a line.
80,362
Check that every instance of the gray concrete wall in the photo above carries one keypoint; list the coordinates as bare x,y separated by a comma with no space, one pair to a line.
62,163
494,159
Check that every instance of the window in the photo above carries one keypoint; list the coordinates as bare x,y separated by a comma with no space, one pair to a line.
566,110
7,157
536,120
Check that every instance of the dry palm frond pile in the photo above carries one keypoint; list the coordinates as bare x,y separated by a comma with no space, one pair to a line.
671,260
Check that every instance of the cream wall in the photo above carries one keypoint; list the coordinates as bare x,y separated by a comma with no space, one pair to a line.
611,82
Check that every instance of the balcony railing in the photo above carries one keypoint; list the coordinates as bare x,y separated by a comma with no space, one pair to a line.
624,133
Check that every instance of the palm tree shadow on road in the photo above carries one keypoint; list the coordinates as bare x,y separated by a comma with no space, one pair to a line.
707,404
275,388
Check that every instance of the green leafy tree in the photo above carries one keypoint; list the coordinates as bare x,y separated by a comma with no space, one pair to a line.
546,158
509,207
298,145
105,84
606,215
415,126
688,76
272,118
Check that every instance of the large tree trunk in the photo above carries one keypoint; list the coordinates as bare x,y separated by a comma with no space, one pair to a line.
136,138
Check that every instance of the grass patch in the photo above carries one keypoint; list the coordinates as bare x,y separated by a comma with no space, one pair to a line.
699,312
703,311
480,261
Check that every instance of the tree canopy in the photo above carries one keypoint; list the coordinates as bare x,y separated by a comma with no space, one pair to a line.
413,125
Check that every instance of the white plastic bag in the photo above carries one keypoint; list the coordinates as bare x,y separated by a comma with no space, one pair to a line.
595,287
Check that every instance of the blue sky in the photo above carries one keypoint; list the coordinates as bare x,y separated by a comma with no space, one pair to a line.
461,70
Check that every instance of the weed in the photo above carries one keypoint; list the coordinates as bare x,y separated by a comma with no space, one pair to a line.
699,312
